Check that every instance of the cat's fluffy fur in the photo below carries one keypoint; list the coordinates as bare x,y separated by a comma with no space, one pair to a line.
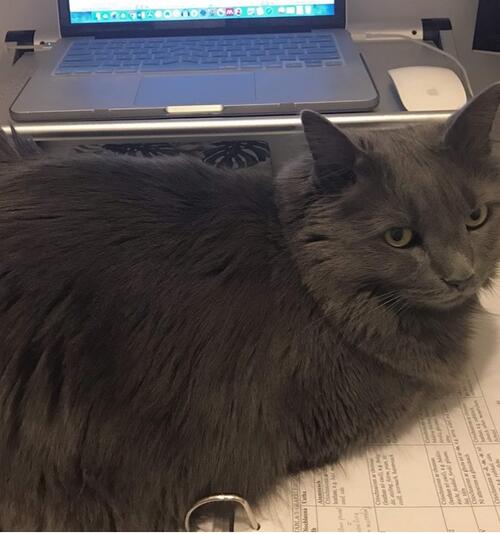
169,330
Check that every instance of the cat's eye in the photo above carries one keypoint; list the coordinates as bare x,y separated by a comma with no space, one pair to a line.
477,218
400,237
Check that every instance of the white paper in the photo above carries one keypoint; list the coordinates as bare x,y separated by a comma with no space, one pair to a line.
442,475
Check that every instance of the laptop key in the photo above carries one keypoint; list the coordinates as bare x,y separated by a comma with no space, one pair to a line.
77,60
89,63
130,63
153,68
321,55
71,63
210,66
78,70
313,62
63,70
78,53
126,69
329,48
159,58
188,66
78,48
250,64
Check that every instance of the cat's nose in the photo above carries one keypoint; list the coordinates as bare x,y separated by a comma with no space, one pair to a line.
459,283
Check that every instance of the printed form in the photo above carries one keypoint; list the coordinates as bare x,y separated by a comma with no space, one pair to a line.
441,475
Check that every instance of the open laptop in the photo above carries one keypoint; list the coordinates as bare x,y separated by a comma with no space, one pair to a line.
177,58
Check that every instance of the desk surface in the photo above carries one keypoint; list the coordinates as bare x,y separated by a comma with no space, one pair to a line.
379,56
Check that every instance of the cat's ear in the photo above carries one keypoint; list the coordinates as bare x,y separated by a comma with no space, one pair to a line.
334,154
468,131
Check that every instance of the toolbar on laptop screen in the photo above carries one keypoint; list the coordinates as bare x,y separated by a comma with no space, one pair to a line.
105,11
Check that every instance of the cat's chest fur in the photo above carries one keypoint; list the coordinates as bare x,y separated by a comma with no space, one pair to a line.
361,389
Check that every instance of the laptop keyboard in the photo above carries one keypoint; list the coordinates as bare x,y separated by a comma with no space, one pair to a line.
277,51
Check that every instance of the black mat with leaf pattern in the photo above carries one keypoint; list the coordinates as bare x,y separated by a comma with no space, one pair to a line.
229,154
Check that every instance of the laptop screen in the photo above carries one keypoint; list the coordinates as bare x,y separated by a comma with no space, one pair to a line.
113,11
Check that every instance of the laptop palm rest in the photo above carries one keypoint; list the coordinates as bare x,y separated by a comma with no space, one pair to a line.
196,89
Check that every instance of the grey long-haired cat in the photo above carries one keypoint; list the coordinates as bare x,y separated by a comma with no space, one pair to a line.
169,330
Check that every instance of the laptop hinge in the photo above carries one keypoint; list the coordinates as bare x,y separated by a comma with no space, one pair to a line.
19,42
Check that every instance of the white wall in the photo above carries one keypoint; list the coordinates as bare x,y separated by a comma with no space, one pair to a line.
27,14
387,11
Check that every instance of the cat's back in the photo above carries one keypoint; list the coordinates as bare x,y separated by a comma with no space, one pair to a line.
127,237
94,203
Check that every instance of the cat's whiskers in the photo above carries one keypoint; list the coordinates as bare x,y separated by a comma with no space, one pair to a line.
405,306
384,300
394,305
390,301
387,303
349,316
397,307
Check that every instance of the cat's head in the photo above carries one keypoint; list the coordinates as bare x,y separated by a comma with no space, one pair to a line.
413,212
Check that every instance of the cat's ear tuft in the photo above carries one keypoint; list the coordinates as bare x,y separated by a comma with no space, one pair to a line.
468,131
334,154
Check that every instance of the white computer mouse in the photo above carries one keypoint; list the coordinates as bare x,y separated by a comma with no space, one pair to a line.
429,88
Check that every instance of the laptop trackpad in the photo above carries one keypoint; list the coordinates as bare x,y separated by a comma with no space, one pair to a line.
192,89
